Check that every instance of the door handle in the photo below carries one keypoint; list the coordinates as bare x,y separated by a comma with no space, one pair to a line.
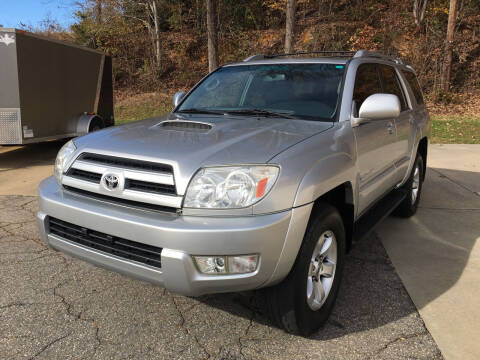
390,128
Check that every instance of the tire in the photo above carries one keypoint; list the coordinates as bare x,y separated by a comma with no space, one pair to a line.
408,207
287,303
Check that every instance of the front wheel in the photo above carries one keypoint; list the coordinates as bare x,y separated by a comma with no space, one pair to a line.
303,302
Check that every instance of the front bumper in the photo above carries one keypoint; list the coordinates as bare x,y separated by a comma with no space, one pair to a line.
179,236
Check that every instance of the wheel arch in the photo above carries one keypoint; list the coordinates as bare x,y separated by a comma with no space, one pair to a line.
423,150
84,121
342,198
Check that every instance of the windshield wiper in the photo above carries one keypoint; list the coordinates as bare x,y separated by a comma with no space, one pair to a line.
260,112
200,111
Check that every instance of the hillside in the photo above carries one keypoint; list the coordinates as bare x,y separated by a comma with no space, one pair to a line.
124,29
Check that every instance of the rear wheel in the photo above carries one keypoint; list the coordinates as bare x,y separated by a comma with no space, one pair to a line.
303,302
408,207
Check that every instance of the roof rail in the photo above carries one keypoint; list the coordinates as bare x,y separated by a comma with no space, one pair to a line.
255,57
321,53
377,55
354,54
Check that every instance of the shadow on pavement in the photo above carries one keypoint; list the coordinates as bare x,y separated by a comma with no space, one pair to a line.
371,295
16,157
432,249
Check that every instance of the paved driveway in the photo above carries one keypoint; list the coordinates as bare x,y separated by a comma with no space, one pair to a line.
437,252
56,307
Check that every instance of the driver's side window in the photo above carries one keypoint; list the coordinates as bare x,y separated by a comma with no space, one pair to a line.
367,82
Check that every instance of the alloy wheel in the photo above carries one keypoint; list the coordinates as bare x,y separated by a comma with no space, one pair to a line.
321,271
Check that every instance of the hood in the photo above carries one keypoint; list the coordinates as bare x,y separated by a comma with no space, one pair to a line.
188,142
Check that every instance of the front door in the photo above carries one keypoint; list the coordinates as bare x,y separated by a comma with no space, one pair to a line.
375,142
403,124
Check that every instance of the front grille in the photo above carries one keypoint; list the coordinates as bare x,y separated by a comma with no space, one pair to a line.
85,175
126,163
144,184
126,249
122,202
149,187
131,184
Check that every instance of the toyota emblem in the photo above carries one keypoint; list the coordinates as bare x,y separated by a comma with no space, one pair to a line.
111,181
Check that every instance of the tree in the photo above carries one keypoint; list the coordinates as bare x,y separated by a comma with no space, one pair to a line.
290,25
152,23
155,31
212,35
98,11
447,65
419,8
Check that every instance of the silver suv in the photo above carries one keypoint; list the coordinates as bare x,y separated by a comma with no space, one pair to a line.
262,176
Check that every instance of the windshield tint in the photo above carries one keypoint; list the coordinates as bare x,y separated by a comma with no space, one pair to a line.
305,91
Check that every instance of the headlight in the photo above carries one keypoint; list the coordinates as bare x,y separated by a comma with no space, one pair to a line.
230,187
62,159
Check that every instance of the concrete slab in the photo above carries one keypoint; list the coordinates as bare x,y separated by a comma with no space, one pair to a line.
22,168
460,162
437,252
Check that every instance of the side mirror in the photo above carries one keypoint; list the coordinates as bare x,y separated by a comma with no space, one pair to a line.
378,106
177,98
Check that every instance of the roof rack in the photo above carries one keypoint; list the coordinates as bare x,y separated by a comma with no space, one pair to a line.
373,54
321,53
349,54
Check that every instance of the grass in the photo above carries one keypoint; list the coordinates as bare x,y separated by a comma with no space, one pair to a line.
455,130
446,129
143,106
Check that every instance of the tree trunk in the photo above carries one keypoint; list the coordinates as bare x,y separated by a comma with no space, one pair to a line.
290,25
419,8
158,57
447,65
212,35
98,11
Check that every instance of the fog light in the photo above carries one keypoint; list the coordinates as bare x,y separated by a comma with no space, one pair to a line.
242,264
211,264
226,264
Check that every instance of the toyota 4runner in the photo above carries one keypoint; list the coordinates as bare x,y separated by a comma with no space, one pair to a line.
262,176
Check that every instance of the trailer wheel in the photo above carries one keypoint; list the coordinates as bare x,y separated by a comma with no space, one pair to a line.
95,124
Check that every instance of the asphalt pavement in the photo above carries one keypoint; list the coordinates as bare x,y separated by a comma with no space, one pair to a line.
55,307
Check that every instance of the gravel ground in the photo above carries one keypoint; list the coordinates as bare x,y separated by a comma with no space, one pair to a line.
56,307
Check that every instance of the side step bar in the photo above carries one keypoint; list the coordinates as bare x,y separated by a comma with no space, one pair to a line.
366,224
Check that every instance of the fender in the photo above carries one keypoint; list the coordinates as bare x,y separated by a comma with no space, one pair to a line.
326,174
83,123
421,130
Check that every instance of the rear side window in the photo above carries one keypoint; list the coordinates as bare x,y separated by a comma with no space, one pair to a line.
391,84
367,82
413,82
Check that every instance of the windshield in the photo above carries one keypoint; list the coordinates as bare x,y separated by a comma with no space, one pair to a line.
304,91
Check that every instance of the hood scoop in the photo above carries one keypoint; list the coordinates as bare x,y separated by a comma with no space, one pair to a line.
182,125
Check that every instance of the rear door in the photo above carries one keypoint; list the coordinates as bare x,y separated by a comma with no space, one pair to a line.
375,142
417,102
403,140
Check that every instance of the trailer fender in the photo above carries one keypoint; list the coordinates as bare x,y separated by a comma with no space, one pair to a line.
84,122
